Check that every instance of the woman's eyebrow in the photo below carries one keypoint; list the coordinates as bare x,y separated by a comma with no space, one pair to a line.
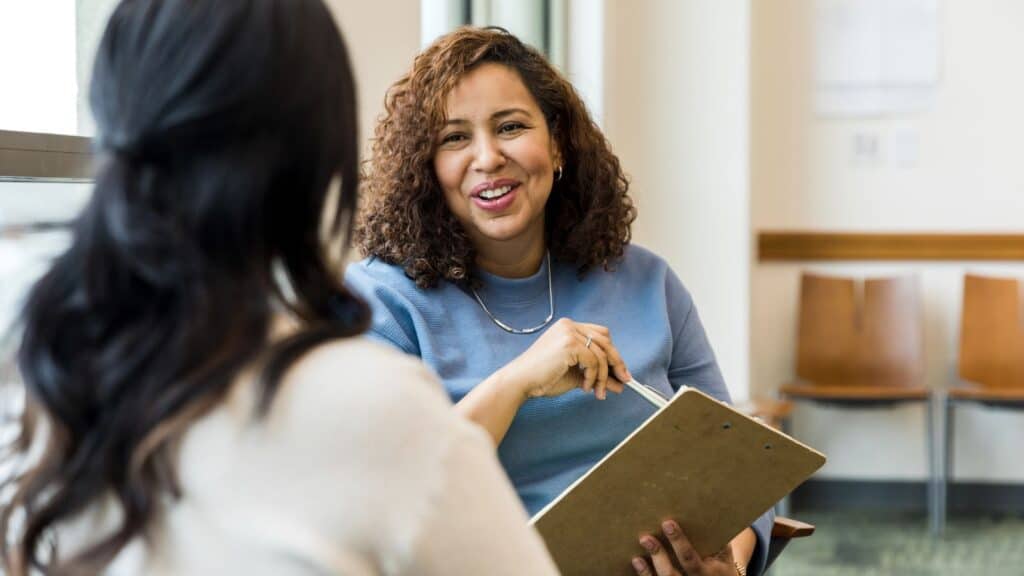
496,116
508,112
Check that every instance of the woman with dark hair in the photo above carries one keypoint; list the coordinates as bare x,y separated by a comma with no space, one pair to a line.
198,401
497,232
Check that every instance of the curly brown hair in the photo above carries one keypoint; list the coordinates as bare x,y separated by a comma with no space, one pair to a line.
406,221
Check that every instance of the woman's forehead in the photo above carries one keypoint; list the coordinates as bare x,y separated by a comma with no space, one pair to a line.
486,90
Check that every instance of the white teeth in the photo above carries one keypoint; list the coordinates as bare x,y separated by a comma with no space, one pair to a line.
495,192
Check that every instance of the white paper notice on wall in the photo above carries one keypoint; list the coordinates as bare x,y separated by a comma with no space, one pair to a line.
875,57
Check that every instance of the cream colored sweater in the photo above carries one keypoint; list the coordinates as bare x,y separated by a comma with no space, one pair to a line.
360,468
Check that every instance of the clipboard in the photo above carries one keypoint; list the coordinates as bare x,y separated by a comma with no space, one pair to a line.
697,460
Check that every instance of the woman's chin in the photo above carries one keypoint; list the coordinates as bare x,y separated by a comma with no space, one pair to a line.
501,235
515,227
501,229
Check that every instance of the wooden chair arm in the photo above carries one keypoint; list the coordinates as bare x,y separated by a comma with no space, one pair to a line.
789,528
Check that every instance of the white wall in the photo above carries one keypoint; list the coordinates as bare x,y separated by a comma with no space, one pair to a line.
382,39
585,53
966,175
676,112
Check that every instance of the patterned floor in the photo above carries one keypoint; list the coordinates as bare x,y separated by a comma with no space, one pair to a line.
879,544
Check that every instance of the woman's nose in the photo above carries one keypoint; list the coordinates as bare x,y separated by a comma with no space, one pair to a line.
488,155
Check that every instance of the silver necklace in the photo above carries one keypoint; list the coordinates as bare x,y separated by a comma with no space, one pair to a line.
532,329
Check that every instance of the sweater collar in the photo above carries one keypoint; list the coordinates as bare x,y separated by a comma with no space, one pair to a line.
502,292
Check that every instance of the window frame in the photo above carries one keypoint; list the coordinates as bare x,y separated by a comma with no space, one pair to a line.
41,157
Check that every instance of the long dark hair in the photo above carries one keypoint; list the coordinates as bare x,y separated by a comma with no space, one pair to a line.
221,128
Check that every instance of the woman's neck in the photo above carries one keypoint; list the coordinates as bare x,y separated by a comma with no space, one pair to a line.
511,259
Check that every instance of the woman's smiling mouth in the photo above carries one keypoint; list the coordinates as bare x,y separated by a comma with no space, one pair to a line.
495,192
495,196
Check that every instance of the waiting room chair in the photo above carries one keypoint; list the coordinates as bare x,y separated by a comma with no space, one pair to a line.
991,364
862,346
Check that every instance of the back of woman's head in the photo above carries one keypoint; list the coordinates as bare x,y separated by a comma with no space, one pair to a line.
406,221
221,126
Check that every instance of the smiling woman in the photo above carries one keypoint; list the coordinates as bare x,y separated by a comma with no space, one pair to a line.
496,163
497,236
587,219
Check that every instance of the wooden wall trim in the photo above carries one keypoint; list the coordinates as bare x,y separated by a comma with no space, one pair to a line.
802,246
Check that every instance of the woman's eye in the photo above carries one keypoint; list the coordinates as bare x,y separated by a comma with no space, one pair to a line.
453,138
511,127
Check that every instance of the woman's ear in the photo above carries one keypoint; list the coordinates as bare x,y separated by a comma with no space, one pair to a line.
556,153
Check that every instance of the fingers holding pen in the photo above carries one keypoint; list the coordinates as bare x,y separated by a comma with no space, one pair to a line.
568,355
588,362
593,362
603,338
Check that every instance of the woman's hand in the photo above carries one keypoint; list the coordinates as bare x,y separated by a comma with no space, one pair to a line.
720,564
568,355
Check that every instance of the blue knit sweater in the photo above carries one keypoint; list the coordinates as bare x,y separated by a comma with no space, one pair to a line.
554,441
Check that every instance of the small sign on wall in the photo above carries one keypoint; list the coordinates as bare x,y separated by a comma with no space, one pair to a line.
875,57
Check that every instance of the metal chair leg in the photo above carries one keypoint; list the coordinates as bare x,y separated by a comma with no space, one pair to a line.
948,431
934,472
783,507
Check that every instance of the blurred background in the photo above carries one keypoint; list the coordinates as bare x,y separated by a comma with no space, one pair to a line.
765,139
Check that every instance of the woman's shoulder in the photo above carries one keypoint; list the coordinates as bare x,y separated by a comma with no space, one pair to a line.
643,265
372,272
352,394
362,370
372,404
640,264
387,285
635,255
352,423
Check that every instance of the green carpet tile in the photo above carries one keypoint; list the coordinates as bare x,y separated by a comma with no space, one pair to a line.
889,544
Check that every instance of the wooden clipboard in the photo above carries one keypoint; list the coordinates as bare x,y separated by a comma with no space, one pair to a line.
697,460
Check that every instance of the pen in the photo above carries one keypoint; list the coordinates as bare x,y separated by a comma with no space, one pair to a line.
648,393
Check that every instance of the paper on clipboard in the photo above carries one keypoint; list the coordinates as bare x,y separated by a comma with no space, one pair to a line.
697,460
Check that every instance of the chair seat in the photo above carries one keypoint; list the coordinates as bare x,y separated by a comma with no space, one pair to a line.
855,392
977,393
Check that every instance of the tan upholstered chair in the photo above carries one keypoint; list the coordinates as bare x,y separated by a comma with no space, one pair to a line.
991,355
861,345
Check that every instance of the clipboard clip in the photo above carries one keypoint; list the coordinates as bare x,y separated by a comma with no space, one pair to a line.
647,393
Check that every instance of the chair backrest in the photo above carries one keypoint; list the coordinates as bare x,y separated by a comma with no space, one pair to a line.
991,334
853,336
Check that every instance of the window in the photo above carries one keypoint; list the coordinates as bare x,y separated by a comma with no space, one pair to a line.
46,49
46,55
540,23
570,33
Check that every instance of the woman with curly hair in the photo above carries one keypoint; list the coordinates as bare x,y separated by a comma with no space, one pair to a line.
181,356
497,232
